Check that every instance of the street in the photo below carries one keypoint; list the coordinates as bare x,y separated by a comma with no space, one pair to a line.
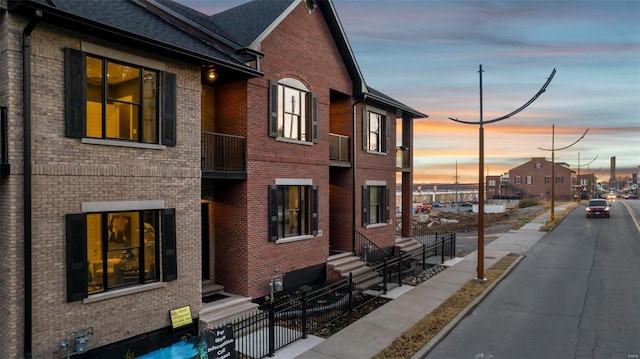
576,294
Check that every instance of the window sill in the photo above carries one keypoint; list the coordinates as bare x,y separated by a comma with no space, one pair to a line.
116,143
294,239
291,140
375,225
122,292
377,153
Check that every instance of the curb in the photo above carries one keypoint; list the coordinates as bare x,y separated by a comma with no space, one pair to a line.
422,353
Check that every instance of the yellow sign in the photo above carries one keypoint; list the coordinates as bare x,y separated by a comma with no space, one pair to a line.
181,317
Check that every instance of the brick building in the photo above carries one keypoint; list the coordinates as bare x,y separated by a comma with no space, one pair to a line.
532,179
152,154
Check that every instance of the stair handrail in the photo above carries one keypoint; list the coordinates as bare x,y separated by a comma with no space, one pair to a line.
367,250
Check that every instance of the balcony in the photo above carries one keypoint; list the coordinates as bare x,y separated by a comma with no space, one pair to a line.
4,144
223,156
339,150
403,159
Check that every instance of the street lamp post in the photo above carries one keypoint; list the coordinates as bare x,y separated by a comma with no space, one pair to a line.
480,268
553,166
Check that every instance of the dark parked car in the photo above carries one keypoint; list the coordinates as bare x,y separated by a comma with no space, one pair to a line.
598,208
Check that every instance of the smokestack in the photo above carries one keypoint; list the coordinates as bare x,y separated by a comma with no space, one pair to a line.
613,170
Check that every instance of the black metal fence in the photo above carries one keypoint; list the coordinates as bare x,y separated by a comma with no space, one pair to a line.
281,321
223,153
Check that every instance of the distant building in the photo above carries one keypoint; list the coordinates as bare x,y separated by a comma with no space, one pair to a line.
533,180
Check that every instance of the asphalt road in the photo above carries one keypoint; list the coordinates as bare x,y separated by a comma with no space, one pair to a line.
576,294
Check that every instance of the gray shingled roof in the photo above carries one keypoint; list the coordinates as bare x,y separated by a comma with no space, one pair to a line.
239,26
131,17
247,21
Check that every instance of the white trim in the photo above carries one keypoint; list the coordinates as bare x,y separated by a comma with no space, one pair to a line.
294,239
291,140
121,56
122,205
117,143
255,45
122,292
375,183
375,225
377,110
294,182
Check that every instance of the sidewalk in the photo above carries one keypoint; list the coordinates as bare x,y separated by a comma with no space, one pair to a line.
375,331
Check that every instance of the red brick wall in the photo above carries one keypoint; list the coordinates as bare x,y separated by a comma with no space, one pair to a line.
538,188
301,47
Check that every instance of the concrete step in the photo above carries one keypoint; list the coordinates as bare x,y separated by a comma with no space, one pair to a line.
343,261
209,288
222,311
354,267
405,245
339,255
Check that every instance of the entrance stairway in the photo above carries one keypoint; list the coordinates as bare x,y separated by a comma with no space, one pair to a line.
224,308
406,245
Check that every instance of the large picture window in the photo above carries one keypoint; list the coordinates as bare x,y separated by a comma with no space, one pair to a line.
293,211
293,111
110,250
375,205
113,100
376,132
121,101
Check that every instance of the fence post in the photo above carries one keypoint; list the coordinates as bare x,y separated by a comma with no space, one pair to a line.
424,255
442,250
400,270
350,291
304,314
384,276
453,236
272,329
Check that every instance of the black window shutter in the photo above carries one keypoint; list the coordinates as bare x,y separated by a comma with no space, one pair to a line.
387,202
76,232
365,130
365,206
169,255
75,104
314,210
169,110
273,213
387,142
273,108
314,118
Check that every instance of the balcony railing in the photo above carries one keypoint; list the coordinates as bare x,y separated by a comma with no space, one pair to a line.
403,159
4,143
223,153
339,149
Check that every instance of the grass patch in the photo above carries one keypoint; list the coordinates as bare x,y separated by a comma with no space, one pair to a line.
416,337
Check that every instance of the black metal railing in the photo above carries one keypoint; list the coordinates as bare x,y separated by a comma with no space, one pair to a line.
4,143
281,321
339,148
403,158
223,153
368,251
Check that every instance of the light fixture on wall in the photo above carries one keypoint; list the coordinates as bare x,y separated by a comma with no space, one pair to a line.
211,74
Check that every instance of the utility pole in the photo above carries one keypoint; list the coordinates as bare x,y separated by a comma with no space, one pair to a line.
480,269
553,167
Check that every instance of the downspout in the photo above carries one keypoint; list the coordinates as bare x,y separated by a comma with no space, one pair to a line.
26,141
353,163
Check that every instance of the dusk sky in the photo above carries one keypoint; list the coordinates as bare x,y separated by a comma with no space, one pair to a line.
426,54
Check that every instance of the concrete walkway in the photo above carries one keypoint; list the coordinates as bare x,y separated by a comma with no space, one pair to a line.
375,331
